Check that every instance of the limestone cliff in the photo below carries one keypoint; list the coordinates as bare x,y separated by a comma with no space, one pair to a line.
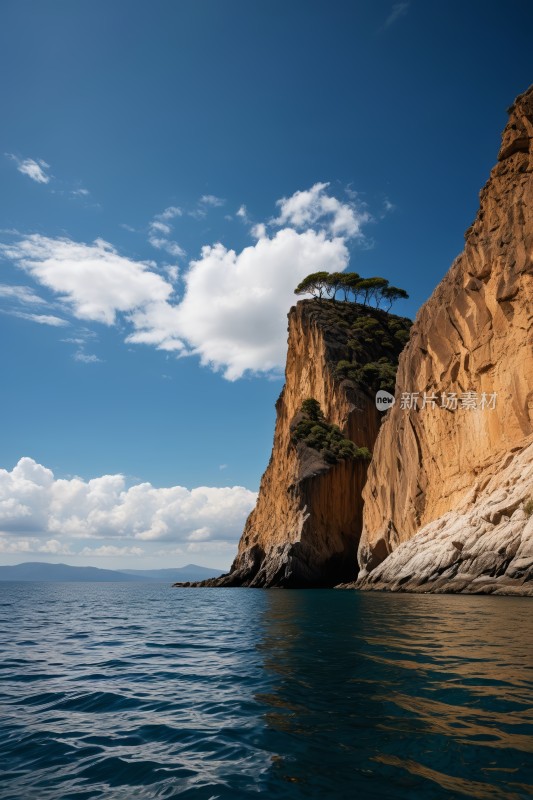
306,525
457,479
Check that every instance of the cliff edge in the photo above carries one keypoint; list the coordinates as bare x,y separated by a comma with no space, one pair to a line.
448,501
305,528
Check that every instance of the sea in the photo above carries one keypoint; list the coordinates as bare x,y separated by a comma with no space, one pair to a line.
141,691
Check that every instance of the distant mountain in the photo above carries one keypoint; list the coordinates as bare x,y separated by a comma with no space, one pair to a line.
41,571
191,572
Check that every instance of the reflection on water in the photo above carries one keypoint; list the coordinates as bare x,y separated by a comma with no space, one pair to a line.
140,692
400,695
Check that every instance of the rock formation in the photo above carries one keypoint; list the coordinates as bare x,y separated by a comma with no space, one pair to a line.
306,525
448,495
483,546
447,486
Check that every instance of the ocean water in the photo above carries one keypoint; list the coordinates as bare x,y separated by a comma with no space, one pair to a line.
143,691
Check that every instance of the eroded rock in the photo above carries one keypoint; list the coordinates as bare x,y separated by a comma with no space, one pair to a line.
474,334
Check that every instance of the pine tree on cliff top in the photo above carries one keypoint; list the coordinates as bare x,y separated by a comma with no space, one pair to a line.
355,288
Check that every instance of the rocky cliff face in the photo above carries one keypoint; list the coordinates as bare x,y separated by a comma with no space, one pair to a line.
305,528
447,486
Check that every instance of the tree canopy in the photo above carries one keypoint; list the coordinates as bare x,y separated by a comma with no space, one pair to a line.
353,286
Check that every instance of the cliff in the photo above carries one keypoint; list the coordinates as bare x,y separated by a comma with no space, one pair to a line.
305,528
446,504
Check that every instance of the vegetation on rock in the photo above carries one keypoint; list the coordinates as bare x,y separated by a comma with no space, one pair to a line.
364,342
313,430
353,286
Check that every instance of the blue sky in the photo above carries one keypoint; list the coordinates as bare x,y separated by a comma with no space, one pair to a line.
168,172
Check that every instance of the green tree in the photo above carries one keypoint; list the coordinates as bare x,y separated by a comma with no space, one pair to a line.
366,290
315,283
351,284
336,283
393,293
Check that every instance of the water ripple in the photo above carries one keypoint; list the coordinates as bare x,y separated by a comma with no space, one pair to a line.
132,691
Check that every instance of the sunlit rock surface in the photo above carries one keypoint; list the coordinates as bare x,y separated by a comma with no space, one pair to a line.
437,472
305,528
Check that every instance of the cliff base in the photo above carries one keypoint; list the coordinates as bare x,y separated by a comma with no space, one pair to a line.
483,547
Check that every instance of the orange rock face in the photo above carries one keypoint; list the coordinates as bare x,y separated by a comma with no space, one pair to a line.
307,521
473,334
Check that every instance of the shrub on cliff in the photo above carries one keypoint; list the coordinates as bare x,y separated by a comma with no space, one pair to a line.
311,409
371,350
313,430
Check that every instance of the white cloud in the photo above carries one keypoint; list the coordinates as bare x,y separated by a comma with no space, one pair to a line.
40,513
12,545
258,231
55,547
212,200
36,170
242,212
96,284
172,271
160,229
234,310
169,213
41,319
80,192
205,202
398,10
107,550
22,294
170,247
314,207
94,280
157,324
86,358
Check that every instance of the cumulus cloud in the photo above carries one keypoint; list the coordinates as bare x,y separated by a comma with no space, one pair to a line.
314,207
96,284
233,307
36,170
94,280
33,545
157,324
233,313
40,513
